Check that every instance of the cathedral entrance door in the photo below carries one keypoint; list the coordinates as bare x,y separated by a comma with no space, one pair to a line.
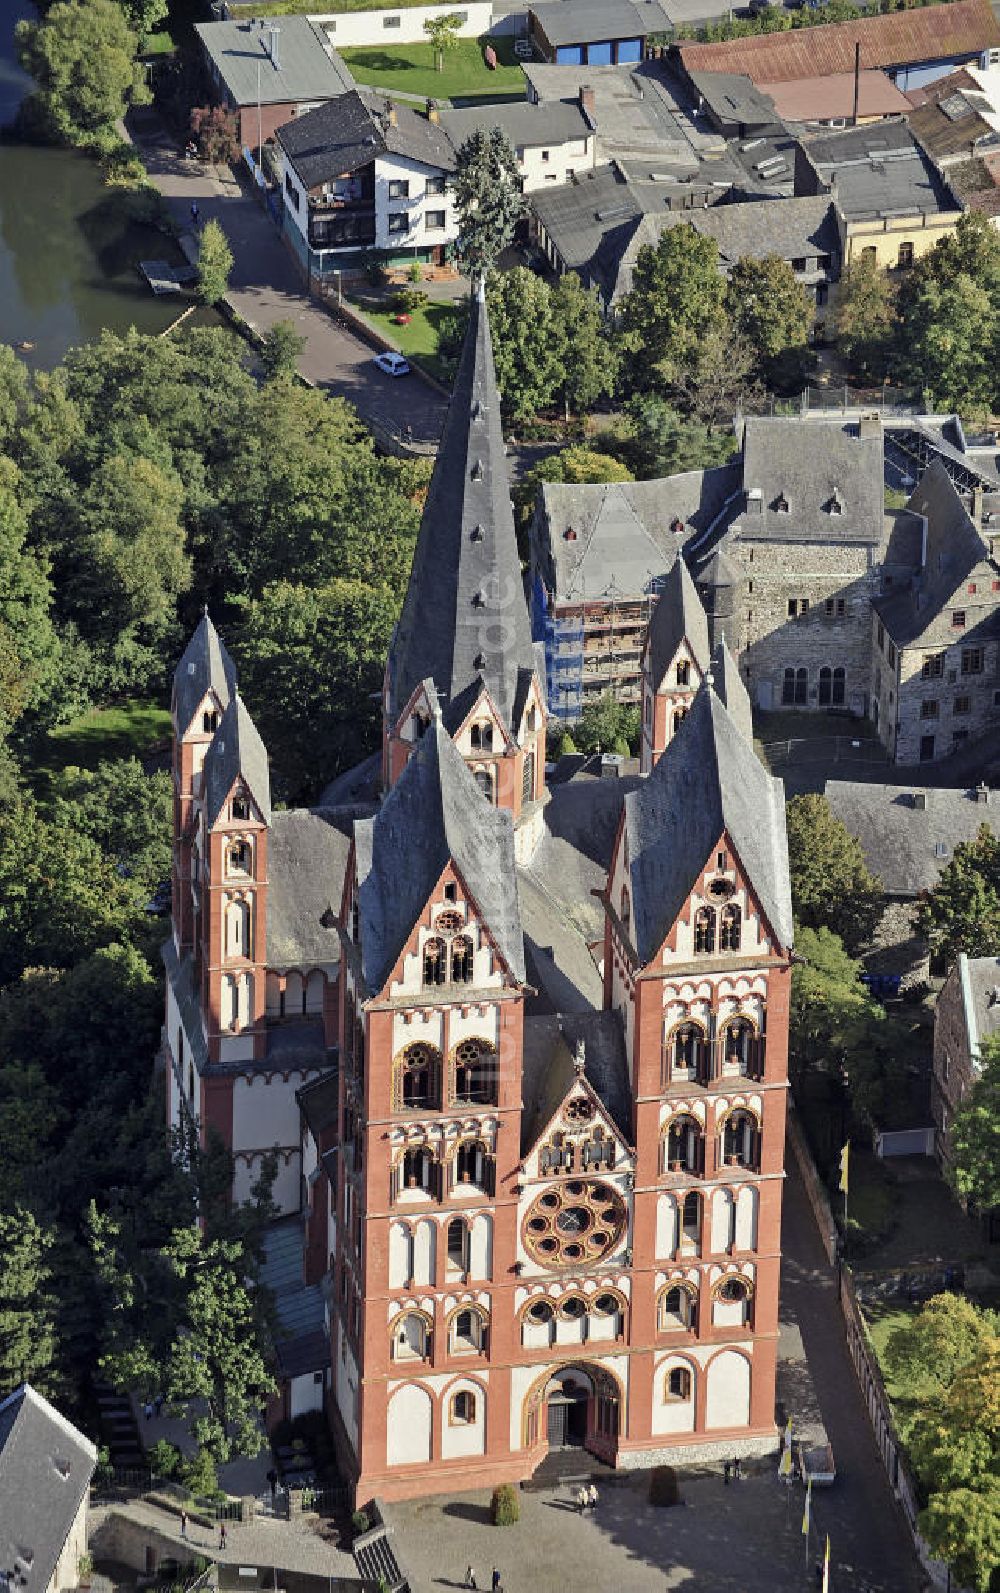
566,1413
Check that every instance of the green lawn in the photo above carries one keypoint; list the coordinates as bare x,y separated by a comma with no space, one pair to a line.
906,1396
410,68
419,338
158,44
130,729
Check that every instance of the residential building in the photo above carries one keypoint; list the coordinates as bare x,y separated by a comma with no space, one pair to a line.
936,636
45,1469
394,25
553,141
594,32
913,47
733,105
635,111
270,70
829,101
957,126
363,172
966,1014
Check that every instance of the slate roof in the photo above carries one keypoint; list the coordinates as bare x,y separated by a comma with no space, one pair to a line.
880,170
719,570
624,536
205,665
464,615
434,813
835,462
553,122
733,97
580,21
677,617
727,682
306,858
351,131
901,38
307,69
45,1469
301,1342
907,846
549,1068
236,751
708,781
954,548
319,1102
790,227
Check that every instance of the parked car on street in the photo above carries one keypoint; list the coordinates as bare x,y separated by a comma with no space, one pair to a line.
392,364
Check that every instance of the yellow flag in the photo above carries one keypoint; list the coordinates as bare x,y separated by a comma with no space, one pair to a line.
785,1463
788,1433
844,1159
807,1512
826,1566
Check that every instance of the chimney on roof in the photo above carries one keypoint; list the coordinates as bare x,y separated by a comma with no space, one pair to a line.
433,114
982,793
272,35
918,800
588,103
870,426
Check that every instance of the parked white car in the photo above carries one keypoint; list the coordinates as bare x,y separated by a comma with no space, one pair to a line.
392,364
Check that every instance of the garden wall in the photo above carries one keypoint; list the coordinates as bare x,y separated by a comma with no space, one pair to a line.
404,25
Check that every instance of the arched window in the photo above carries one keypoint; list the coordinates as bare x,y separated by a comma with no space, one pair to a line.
732,1303
676,1309
472,1163
685,1054
467,1334
690,1235
458,1246
730,928
238,928
417,1169
539,1313
683,672
680,714
241,808
482,736
484,780
607,1316
839,686
434,962
239,858
462,960
210,722
684,1151
704,930
528,778
573,1308
475,1073
738,1046
416,1078
741,1140
411,1337
677,1384
462,1409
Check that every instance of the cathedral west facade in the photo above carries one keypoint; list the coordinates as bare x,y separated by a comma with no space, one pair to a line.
544,1203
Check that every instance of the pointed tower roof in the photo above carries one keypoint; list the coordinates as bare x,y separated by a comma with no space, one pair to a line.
237,752
435,813
678,616
205,666
464,614
709,781
729,688
719,570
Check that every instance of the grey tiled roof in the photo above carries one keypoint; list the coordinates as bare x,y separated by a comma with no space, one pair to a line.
550,1042
349,132
319,1102
45,1469
834,463
789,227
306,858
880,171
205,665
730,688
677,617
907,845
954,548
525,124
306,71
433,814
708,781
719,570
301,1342
464,615
734,97
580,21
236,752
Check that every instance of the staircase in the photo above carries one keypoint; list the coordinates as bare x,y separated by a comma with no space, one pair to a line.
563,1468
376,1561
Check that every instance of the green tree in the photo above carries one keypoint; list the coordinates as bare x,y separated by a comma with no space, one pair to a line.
770,308
529,343
947,338
126,811
865,317
82,58
607,726
27,1308
25,603
589,363
831,883
14,392
654,440
677,297
281,351
720,379
488,200
215,261
946,1335
144,16
576,463
962,912
835,1027
132,561
443,33
311,663
975,1133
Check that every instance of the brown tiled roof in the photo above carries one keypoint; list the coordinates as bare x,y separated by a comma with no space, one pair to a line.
819,99
930,34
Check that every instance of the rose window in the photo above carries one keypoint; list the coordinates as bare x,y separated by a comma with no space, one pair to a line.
579,1110
574,1224
449,923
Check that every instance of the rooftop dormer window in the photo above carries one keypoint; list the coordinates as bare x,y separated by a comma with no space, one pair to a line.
482,736
241,809
210,722
781,504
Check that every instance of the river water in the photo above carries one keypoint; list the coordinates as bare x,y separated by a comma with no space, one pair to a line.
67,254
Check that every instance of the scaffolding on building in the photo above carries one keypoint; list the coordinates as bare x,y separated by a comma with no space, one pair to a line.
592,646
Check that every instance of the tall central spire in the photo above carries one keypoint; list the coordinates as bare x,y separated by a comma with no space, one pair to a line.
465,616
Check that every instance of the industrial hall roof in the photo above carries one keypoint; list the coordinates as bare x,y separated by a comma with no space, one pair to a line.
821,99
434,814
464,616
205,666
242,53
902,38
45,1471
708,783
351,131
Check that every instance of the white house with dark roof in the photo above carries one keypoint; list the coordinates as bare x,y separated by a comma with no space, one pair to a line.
45,1469
553,142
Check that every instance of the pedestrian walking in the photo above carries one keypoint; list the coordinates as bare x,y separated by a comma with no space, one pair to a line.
737,1469
184,1523
581,1500
147,1410
592,1496
223,1536
272,1478
195,212
159,1403
496,1580
726,1471
470,1578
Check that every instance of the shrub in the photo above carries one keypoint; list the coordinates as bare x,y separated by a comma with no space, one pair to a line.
198,1473
123,167
564,745
505,1507
663,1489
406,300
415,272
216,133
164,1458
360,1523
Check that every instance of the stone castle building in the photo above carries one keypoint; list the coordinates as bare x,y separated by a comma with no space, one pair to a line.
522,1053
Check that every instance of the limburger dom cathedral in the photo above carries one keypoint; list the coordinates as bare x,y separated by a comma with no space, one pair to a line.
520,1052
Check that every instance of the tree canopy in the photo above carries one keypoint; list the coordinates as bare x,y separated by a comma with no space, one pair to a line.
832,887
488,199
81,55
962,912
550,343
975,1132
